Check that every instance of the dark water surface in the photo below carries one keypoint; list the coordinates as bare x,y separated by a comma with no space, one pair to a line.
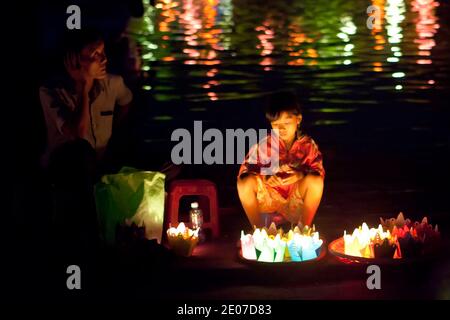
212,60
375,100
224,50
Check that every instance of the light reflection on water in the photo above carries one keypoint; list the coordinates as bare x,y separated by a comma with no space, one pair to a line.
214,50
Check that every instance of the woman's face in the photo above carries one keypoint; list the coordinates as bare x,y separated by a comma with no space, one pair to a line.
93,60
286,126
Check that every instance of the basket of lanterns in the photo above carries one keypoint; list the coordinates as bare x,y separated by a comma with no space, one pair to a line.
274,246
395,240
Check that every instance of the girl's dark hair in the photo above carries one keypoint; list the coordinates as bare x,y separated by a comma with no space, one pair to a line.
282,101
76,40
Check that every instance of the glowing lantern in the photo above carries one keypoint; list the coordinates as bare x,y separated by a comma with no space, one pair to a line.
308,248
248,246
279,247
413,238
265,250
369,243
182,240
402,238
294,248
275,246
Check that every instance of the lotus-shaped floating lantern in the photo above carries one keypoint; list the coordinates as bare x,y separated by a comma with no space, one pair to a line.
182,240
272,245
414,239
394,238
369,243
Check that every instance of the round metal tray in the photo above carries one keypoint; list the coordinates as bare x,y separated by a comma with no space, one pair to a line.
336,248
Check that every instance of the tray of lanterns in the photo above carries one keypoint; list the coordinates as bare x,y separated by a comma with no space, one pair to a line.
273,246
396,240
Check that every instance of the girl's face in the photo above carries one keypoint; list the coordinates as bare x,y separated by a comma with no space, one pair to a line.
93,60
286,126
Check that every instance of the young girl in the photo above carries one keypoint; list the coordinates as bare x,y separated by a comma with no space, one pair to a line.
292,195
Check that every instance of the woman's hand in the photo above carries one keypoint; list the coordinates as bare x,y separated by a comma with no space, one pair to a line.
78,73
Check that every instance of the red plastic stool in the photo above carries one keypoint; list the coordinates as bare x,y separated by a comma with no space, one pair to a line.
180,188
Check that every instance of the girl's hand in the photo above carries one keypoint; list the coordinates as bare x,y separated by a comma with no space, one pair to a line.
285,176
285,168
274,181
294,176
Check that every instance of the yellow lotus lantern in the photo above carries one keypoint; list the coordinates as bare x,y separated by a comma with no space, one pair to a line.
182,240
368,243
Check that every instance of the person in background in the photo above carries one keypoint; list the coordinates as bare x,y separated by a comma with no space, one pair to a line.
81,107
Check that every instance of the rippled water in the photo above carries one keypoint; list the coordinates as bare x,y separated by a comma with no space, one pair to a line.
223,49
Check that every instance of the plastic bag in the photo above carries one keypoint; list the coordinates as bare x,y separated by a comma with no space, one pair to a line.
132,195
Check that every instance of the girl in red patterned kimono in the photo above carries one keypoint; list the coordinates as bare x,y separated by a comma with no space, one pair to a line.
292,194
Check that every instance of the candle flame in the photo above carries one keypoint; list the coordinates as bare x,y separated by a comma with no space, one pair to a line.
182,231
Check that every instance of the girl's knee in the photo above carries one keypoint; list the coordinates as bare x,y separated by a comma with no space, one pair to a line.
314,181
247,182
